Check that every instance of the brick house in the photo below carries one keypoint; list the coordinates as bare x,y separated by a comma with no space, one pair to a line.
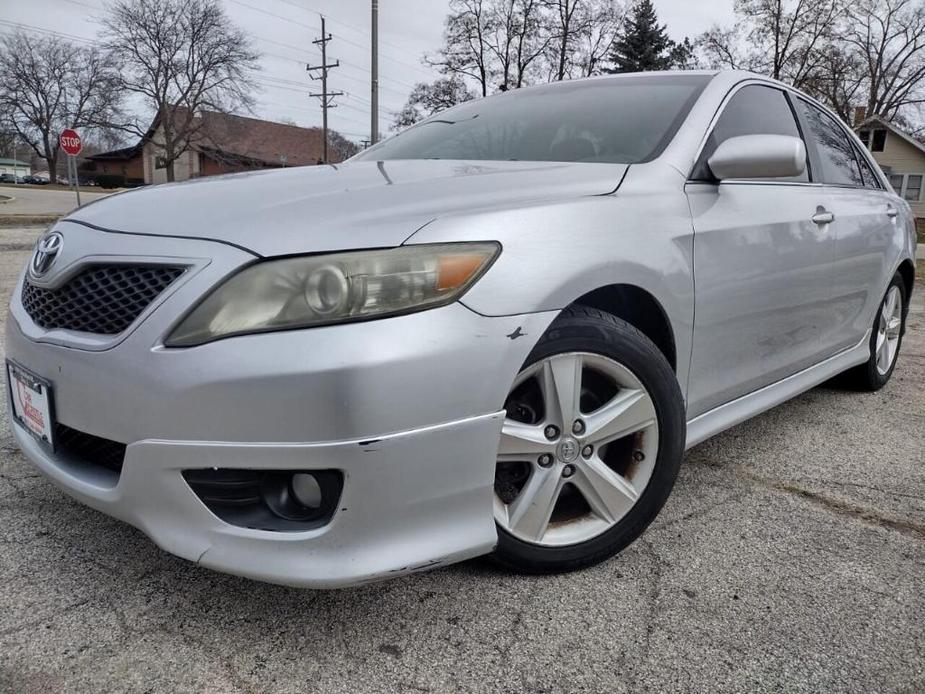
223,143
125,163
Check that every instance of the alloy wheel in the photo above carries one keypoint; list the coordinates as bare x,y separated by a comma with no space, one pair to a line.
888,331
578,447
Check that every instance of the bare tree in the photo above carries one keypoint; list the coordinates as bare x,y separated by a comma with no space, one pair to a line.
182,57
48,84
566,22
428,99
889,38
517,40
719,48
839,80
465,43
849,53
599,28
788,40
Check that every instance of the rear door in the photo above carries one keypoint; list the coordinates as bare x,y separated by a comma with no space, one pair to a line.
864,227
762,265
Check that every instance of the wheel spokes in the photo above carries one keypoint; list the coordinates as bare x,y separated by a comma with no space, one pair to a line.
609,495
530,512
577,475
524,442
892,327
561,386
629,411
887,311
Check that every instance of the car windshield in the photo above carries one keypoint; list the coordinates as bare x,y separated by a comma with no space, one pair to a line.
622,120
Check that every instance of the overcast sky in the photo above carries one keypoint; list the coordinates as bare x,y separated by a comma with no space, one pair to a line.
284,29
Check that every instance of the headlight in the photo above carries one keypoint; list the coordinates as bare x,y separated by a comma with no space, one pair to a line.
318,290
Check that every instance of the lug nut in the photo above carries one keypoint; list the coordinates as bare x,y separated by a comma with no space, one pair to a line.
545,460
578,427
551,432
587,451
639,456
568,471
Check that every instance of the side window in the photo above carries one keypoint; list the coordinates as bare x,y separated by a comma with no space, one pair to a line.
753,110
839,164
870,178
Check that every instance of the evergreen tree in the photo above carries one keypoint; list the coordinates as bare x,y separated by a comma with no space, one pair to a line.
643,44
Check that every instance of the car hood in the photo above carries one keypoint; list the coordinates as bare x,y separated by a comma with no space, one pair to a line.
354,205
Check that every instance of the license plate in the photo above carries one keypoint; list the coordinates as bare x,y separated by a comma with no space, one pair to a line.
32,403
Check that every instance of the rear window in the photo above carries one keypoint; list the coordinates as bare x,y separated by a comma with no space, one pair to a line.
623,120
839,161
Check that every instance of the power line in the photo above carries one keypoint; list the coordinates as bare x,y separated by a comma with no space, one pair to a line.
358,30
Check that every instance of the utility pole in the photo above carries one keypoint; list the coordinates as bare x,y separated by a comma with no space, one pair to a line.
326,97
374,70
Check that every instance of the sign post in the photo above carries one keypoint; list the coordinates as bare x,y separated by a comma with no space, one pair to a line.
71,144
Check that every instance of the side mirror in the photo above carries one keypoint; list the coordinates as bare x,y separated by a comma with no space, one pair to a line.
759,156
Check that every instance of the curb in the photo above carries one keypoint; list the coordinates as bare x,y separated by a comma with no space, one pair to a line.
24,220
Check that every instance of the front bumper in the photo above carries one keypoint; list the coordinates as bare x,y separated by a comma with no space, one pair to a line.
411,501
408,408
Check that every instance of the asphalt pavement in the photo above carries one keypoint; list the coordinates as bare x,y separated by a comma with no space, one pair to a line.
790,558
31,200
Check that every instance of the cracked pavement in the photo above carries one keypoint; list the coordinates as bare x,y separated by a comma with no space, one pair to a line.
790,557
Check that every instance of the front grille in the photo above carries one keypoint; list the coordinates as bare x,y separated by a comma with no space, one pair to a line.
88,448
103,299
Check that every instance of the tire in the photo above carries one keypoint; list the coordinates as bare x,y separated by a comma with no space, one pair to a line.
600,341
871,376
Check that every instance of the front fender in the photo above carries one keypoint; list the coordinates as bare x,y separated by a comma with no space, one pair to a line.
555,253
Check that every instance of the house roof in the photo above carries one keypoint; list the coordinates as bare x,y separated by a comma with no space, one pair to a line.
258,140
892,127
123,154
13,162
226,137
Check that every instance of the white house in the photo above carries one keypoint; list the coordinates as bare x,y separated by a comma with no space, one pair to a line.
15,166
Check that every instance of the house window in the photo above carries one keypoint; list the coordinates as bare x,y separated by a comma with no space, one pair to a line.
909,186
874,140
160,162
913,192
878,141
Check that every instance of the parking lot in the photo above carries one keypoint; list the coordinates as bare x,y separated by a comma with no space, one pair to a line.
790,557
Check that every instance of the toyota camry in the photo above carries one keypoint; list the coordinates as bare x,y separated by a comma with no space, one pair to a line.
495,332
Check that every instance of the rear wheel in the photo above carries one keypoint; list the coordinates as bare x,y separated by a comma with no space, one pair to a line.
885,340
590,447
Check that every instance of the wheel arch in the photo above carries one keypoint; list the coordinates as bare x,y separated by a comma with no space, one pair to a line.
639,308
906,270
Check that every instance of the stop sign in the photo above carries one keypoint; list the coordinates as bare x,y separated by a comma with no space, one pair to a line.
70,142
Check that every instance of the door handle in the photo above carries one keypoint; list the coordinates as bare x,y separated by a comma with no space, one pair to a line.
823,216
892,212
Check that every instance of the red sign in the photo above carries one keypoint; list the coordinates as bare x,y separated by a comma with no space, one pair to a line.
70,142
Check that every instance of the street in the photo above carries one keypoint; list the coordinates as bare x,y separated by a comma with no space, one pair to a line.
790,557
28,200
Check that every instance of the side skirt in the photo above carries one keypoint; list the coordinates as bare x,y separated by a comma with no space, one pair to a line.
728,415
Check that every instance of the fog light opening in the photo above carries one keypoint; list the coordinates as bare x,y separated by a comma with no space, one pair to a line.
305,490
280,500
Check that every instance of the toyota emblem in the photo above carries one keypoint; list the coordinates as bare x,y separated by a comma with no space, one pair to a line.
45,253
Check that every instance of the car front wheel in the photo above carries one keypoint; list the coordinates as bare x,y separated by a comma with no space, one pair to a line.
590,447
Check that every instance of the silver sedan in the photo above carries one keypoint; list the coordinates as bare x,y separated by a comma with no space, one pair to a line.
493,333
